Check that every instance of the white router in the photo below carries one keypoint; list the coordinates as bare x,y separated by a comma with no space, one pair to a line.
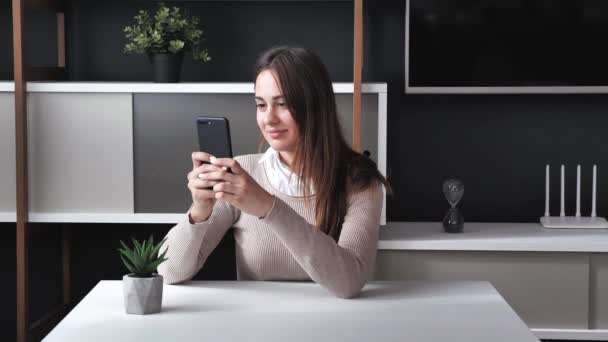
577,221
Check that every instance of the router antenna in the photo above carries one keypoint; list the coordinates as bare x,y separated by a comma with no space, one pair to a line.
594,189
547,191
578,191
562,212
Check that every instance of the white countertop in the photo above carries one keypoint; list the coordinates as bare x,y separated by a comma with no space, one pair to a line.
299,311
491,237
182,87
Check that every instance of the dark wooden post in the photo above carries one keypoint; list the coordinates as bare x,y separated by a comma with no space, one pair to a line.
25,331
21,162
357,74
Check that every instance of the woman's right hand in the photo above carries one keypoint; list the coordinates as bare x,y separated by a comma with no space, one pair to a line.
203,196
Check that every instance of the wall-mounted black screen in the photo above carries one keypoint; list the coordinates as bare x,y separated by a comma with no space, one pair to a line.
469,43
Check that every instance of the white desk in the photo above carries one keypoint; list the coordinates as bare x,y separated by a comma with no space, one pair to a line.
296,311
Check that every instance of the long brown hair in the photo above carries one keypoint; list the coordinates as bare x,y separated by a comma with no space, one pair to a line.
322,159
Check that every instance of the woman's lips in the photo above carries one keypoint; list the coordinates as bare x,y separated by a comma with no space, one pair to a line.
274,134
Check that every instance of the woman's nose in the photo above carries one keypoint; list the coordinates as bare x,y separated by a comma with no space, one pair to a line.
271,115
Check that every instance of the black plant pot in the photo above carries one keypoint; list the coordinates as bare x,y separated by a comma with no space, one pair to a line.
167,66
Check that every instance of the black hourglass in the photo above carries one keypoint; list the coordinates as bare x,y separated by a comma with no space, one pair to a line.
453,222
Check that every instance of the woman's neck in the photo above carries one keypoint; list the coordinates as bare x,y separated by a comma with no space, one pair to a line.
286,158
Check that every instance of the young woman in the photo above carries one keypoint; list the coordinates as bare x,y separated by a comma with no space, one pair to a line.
306,209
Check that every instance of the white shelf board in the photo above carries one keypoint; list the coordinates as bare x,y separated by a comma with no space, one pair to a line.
571,334
183,87
7,86
531,237
508,90
8,217
573,222
97,218
105,218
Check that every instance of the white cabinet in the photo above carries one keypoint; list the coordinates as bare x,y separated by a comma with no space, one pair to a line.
80,153
8,190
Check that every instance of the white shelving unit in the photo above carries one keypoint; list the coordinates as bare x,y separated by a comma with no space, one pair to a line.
95,95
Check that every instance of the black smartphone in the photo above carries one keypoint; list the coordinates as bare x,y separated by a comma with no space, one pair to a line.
214,136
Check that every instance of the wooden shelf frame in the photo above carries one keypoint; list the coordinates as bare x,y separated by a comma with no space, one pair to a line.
22,185
22,73
27,332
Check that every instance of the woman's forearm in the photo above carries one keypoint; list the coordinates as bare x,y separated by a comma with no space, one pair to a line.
343,267
188,245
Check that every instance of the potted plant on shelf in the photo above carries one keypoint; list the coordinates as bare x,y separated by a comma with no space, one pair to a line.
143,287
165,38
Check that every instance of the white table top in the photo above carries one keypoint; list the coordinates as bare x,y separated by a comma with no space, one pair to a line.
299,311
532,237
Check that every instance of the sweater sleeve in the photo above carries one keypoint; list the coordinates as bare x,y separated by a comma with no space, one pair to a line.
342,267
189,245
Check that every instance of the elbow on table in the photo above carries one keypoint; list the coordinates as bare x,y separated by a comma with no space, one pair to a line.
348,291
171,278
172,281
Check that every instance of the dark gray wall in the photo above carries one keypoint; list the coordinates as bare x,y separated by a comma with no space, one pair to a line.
40,39
8,287
497,144
161,156
7,243
6,41
45,267
236,32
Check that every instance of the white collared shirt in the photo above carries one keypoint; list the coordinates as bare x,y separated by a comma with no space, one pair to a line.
280,175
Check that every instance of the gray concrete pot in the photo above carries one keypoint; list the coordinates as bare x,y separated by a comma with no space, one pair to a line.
142,295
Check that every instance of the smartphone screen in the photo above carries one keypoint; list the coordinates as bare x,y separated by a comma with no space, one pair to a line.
214,136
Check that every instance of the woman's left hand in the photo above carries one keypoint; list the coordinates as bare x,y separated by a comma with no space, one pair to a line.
239,188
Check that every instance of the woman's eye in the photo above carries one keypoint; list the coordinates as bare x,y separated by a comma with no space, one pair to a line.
260,105
281,104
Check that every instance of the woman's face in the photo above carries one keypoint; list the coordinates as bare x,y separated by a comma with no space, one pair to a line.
274,119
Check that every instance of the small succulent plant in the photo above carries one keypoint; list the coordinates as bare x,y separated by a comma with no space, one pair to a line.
143,259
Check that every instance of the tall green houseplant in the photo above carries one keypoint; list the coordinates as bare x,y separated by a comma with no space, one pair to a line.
165,37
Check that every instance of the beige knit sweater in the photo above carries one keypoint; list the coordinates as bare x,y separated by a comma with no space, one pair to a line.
285,245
